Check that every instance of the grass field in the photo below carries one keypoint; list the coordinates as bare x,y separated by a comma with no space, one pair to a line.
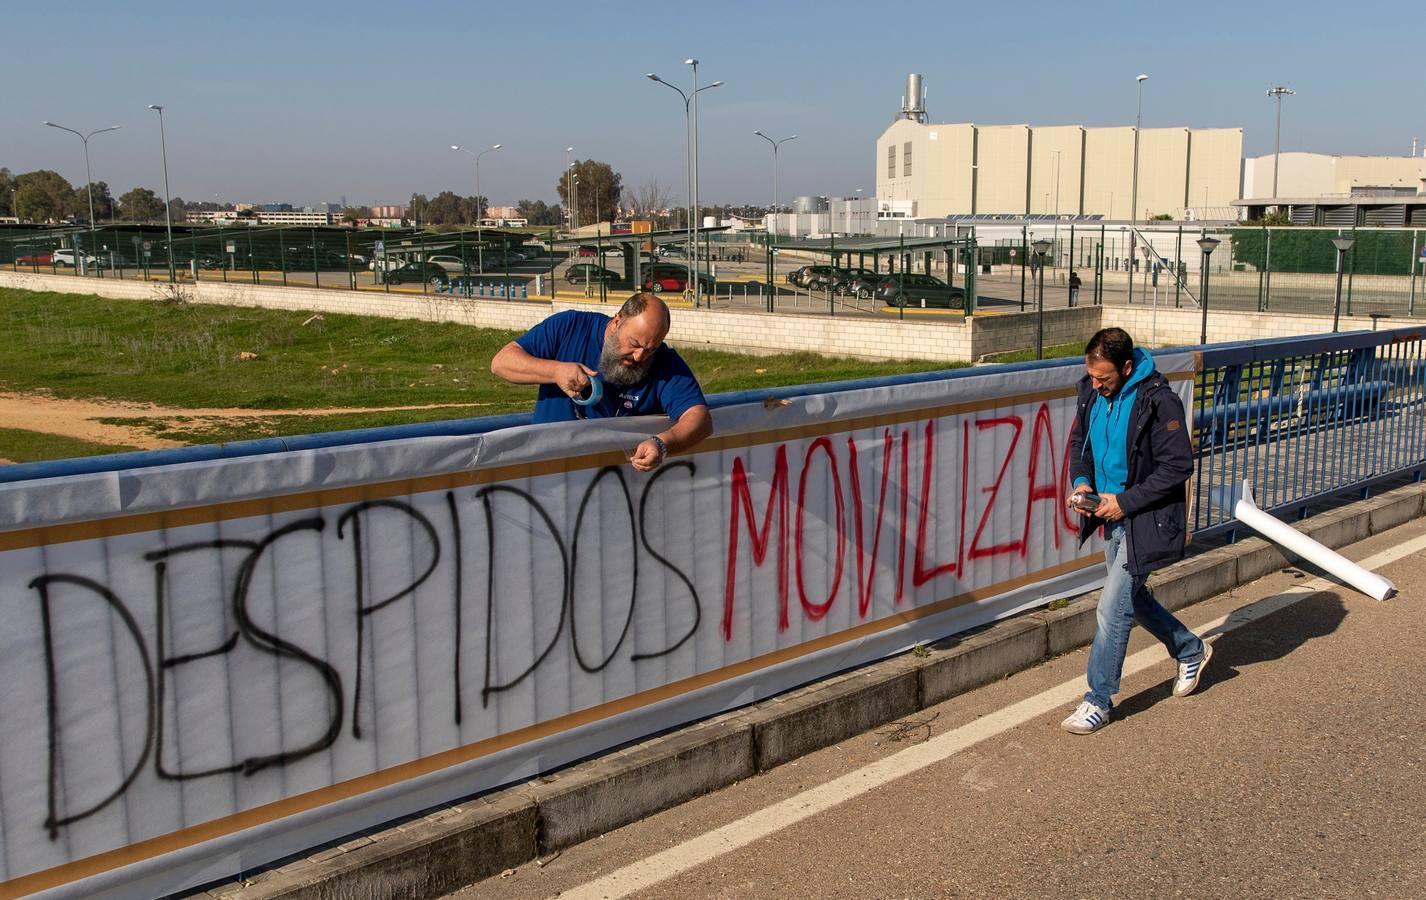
198,356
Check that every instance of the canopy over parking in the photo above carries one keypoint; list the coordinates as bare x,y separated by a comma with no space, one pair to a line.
633,263
899,252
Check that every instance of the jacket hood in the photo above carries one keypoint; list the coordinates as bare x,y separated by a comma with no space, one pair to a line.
1143,368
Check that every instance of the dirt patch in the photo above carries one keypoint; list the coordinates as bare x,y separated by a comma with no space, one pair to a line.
79,418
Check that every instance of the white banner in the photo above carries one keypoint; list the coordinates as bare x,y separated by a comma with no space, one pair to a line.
212,665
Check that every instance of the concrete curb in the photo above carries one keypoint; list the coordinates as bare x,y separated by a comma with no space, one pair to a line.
464,843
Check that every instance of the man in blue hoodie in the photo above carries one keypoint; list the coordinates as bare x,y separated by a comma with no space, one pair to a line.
1130,445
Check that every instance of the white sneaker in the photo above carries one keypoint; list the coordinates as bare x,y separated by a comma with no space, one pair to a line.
1190,673
1086,719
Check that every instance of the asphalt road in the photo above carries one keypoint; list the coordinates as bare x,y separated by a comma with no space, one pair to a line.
1297,770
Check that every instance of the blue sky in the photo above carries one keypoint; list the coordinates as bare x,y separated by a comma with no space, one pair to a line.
309,101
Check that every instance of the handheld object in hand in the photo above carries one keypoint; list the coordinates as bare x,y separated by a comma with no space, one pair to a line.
596,392
1087,502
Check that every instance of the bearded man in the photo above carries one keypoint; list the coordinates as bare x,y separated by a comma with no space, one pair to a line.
574,356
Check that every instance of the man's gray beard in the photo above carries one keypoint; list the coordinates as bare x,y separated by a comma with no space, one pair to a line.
614,372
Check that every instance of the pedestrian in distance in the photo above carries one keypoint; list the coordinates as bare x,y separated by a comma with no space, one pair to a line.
1074,284
1130,461
591,366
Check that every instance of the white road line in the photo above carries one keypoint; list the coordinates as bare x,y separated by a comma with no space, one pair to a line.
709,846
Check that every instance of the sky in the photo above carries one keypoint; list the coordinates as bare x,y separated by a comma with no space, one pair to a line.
310,101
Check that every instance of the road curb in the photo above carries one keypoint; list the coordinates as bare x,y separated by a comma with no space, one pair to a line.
474,839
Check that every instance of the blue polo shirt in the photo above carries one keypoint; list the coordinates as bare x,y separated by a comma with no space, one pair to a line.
574,336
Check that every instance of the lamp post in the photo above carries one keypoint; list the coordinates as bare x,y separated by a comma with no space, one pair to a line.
89,179
569,188
1040,247
479,203
775,145
1343,244
1277,94
1058,154
167,201
1207,245
1138,119
690,122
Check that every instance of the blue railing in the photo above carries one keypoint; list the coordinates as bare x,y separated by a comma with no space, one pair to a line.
1305,418
1301,418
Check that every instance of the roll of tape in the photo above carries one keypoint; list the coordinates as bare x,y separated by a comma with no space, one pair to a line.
596,393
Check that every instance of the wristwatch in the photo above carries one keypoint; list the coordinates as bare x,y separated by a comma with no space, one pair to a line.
663,448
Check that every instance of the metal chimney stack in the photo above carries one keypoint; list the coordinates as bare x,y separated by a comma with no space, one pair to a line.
913,104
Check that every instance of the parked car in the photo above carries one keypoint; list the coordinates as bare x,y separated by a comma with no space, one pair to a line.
454,265
418,273
802,277
837,278
912,289
34,259
584,273
609,251
661,277
673,250
71,257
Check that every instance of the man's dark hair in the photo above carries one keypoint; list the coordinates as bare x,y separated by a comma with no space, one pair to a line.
1112,344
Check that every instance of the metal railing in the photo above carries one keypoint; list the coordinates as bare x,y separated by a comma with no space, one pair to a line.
1307,418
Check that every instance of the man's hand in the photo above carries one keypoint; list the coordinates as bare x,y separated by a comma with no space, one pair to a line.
573,378
649,455
1074,495
1108,509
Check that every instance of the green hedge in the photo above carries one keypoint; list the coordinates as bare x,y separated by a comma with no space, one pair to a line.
1293,250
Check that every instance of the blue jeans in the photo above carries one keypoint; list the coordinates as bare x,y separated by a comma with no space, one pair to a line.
1125,600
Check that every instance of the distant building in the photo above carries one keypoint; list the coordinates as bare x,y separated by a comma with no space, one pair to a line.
388,212
1321,175
963,168
502,212
285,217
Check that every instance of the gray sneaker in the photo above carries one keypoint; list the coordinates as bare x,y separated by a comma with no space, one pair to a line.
1086,719
1189,674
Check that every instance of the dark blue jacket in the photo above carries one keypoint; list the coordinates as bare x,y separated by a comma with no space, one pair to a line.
1160,453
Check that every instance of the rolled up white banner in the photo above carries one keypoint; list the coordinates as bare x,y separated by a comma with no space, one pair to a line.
1290,539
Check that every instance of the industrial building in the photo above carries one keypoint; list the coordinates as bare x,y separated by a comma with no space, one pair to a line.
929,170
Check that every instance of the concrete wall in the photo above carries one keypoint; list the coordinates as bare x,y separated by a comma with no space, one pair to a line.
1004,155
1108,169
1045,195
1214,159
1163,172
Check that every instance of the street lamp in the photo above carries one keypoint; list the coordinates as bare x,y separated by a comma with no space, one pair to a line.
690,123
1277,94
82,259
1207,245
569,187
479,202
1343,244
775,144
167,201
1138,119
1040,247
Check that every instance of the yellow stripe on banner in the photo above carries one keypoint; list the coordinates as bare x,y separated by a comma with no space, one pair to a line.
48,535
259,815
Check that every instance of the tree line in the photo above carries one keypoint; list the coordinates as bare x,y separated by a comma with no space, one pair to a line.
591,188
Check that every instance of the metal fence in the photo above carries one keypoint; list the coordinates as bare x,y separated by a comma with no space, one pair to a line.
1306,418
1288,269
471,261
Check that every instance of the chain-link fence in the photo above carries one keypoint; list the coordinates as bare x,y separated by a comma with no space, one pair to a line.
1280,269
474,262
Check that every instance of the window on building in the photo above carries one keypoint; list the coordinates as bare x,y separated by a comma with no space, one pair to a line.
891,161
906,161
